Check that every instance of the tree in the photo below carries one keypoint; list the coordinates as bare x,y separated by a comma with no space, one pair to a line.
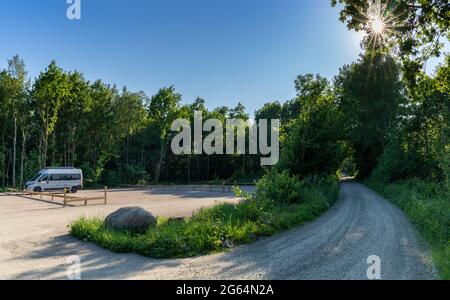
163,110
14,91
414,29
313,145
25,122
129,116
369,94
71,116
50,91
97,141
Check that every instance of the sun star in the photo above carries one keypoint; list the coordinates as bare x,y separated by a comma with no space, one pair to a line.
377,25
381,21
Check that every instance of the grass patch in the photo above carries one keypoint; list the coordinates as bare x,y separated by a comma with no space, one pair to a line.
205,232
428,207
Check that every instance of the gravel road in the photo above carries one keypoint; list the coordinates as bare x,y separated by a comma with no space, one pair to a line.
336,246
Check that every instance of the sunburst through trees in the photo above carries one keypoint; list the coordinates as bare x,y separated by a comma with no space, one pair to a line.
381,21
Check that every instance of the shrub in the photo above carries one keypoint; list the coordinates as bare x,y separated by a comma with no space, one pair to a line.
111,178
279,188
428,207
134,174
206,231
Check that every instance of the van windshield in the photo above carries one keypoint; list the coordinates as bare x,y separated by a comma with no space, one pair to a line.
36,177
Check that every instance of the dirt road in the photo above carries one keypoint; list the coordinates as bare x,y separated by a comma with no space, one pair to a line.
34,244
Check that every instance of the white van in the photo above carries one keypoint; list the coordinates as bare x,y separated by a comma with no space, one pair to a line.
56,179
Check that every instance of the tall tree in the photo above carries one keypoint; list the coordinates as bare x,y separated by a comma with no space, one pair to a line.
14,86
415,29
51,89
163,110
369,93
312,146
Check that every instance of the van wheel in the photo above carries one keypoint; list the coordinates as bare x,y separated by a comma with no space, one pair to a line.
74,190
37,190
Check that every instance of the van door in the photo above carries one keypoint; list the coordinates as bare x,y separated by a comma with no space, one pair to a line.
44,182
57,182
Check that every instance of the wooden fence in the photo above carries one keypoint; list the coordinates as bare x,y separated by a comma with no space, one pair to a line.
61,195
194,187
223,188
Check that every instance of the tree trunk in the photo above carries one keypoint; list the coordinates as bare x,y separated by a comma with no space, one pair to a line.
189,168
207,168
14,152
22,157
44,151
161,160
3,160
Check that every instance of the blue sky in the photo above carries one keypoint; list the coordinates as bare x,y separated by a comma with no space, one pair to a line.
225,51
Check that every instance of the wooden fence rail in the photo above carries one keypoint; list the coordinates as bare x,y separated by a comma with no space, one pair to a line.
62,195
223,188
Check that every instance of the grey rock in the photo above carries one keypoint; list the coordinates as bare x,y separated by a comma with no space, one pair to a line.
133,219
227,244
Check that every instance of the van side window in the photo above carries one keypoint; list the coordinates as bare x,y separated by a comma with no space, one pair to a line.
44,178
55,177
65,177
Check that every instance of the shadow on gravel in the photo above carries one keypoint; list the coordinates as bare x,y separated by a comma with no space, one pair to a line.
96,263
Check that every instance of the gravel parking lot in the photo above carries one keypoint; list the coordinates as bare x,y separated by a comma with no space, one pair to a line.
33,232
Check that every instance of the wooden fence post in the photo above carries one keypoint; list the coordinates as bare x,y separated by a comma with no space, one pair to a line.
106,195
65,196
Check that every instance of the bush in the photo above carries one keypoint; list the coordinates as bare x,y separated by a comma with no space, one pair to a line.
206,231
134,174
396,164
280,188
428,207
111,178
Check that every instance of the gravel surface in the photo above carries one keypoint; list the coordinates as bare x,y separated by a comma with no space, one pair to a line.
34,243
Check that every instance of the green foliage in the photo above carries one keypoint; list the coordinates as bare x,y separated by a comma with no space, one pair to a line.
417,28
428,207
369,95
313,142
136,175
111,178
280,188
419,146
115,136
209,228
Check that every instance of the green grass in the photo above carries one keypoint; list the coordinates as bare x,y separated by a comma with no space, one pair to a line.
428,207
206,231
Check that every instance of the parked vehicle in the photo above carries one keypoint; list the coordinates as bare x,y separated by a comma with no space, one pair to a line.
56,179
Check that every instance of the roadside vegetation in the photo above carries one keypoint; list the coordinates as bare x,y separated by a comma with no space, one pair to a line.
428,207
281,202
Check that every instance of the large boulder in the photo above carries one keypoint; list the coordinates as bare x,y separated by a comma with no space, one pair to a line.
133,219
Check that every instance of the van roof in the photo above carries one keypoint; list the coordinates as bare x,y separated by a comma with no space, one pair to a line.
60,170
